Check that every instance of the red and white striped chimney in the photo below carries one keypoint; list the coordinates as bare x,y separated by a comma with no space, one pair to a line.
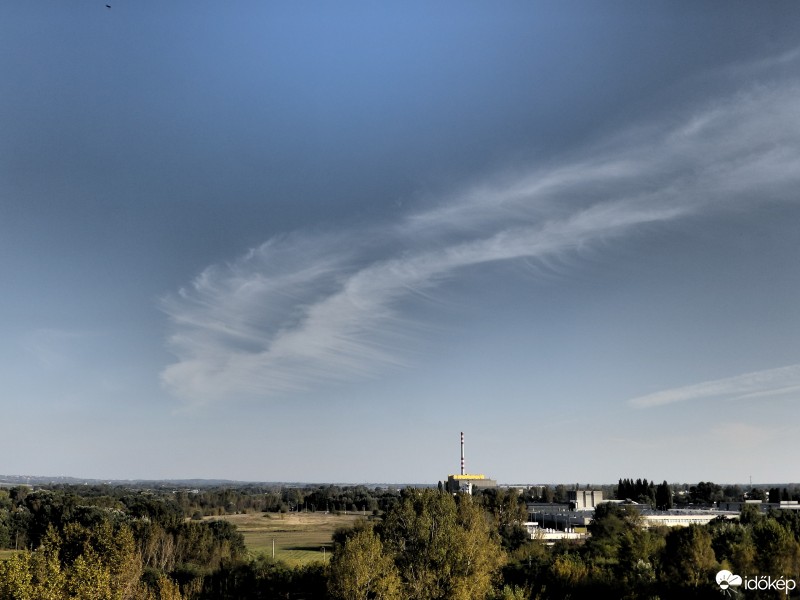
462,452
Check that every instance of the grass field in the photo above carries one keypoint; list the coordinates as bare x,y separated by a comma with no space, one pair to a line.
5,554
299,537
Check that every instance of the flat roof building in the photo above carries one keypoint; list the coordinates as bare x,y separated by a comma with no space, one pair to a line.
761,505
467,483
584,499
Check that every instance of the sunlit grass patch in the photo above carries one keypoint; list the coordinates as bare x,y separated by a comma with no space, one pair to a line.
299,538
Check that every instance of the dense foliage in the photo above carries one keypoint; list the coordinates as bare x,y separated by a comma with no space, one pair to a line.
116,543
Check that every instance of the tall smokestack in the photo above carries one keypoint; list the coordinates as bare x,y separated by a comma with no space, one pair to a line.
462,452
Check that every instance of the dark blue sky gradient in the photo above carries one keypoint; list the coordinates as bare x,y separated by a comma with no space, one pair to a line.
147,152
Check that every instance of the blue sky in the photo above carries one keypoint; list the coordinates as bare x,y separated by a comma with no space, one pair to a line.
284,241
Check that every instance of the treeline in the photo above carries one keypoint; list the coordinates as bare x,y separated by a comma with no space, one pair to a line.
215,501
642,492
705,493
323,498
623,559
431,545
427,545
106,541
138,545
419,552
26,514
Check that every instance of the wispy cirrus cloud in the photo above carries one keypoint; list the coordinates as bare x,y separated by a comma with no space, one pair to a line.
758,384
308,308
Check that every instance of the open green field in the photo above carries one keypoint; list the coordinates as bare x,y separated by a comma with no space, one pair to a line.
299,537
6,554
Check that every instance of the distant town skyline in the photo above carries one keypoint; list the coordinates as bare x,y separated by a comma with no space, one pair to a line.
275,242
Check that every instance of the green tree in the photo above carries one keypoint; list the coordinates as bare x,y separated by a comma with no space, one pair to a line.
100,563
731,493
5,528
508,514
689,558
743,554
16,577
750,514
89,578
504,506
163,589
610,523
561,493
635,574
706,492
569,570
663,496
443,547
512,592
34,575
726,537
776,549
361,570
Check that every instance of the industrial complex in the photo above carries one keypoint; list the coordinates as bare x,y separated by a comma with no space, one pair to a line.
465,482
550,521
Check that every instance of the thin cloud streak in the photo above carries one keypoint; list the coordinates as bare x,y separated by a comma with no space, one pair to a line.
305,309
758,384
